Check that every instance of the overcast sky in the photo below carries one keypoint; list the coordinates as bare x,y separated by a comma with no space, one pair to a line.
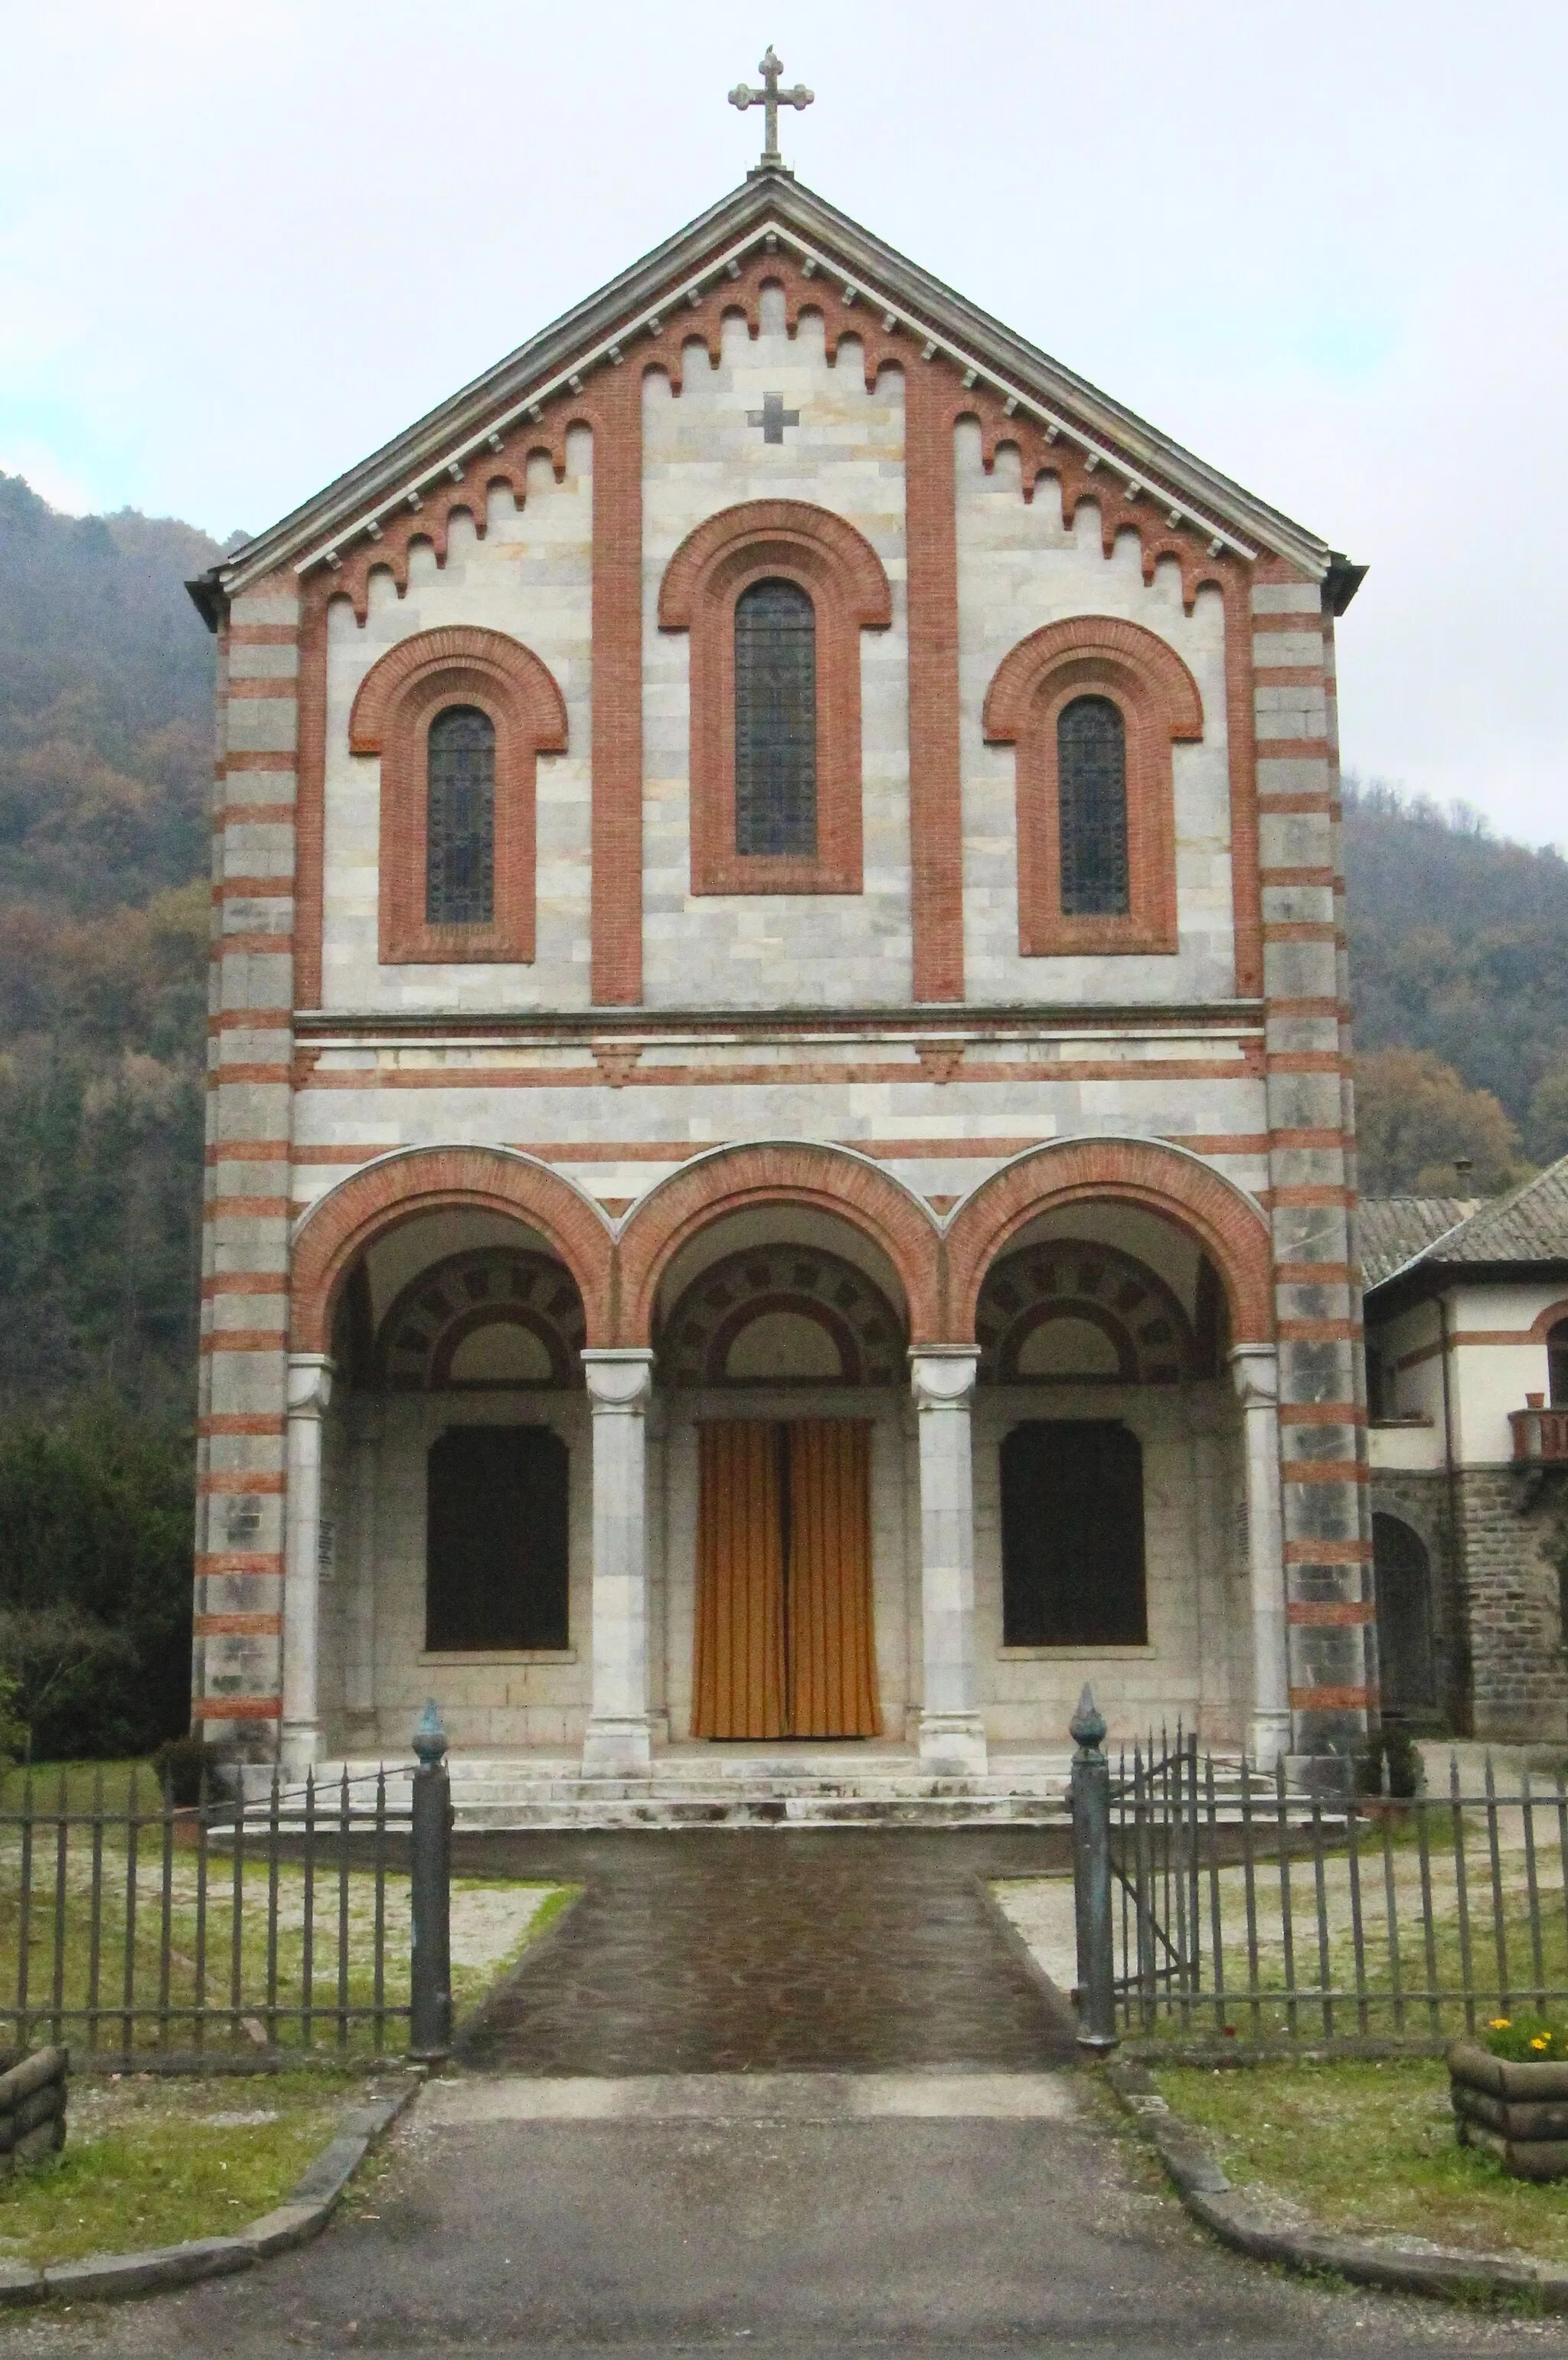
1323,247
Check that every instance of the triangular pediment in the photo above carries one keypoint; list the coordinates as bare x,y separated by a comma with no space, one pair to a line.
770,226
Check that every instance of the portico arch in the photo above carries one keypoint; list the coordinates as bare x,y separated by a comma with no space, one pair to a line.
1162,1179
833,1181
415,1182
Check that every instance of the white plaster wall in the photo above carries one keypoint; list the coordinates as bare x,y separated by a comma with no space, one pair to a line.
1193,1668
702,456
504,1701
1490,1380
1019,568
531,577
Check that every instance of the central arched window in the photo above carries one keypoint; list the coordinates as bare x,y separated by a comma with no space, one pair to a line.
1090,756
460,826
775,721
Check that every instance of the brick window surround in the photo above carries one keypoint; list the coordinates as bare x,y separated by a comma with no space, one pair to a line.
1094,655
398,700
791,541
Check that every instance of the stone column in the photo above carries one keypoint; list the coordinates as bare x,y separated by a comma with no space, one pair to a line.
1256,1368
310,1391
952,1735
365,1483
619,1735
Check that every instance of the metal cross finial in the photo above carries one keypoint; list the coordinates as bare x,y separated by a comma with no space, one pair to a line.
771,98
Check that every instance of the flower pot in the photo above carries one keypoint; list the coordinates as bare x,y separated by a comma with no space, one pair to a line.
1518,2112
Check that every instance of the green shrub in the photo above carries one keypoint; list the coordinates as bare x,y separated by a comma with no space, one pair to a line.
95,1541
1389,1763
182,1763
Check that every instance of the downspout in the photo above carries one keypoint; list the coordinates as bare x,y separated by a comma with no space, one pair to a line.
1463,1714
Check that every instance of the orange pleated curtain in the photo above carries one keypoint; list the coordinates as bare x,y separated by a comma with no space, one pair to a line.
784,1622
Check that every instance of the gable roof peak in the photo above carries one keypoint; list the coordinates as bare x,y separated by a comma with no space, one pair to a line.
774,213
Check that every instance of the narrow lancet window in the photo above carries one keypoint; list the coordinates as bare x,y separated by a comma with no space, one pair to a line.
775,721
460,829
1091,755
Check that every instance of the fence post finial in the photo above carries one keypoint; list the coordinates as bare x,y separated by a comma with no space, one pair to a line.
1090,1794
429,1964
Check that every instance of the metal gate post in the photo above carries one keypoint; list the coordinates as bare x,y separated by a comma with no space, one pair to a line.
1091,1792
430,1966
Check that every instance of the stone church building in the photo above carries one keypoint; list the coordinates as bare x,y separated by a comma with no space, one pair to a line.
779,1141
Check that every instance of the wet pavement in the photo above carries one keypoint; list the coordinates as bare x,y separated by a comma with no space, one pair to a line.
734,1950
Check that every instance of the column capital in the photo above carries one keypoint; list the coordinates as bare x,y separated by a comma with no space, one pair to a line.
619,1378
1255,1369
942,1376
309,1383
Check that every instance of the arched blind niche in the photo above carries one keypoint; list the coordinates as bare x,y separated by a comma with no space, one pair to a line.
1090,754
775,720
460,831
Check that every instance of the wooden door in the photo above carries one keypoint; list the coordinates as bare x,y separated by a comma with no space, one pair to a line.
785,1643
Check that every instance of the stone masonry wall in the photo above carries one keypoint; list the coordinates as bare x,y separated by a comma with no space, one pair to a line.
1519,1670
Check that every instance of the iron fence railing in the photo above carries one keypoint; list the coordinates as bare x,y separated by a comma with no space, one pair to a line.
1242,1907
130,1926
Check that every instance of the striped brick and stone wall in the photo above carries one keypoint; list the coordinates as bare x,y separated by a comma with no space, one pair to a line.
244,1263
1328,1548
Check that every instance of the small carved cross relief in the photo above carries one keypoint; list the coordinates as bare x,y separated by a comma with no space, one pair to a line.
773,417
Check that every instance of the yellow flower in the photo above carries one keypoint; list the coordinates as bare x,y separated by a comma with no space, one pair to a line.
1501,2023
1541,2040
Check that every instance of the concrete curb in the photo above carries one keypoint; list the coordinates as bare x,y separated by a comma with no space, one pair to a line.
304,2214
1446,2272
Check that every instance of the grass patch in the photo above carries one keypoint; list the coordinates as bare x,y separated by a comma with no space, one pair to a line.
150,2162
1368,2148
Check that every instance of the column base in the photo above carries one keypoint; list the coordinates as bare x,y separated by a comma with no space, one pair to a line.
301,1747
1267,1736
953,1744
618,1748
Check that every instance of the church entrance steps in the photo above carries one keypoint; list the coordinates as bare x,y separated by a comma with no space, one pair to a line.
713,1788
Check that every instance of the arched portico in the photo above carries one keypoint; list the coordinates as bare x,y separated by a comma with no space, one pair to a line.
442,1302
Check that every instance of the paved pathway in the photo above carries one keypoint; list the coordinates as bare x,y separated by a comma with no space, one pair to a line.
632,2174
738,1950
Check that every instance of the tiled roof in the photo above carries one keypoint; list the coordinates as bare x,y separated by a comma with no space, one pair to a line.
1529,1224
1391,1230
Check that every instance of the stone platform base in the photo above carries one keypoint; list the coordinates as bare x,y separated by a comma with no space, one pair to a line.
708,1786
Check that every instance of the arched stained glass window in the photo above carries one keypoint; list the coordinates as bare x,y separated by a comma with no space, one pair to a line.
775,720
460,819
1090,756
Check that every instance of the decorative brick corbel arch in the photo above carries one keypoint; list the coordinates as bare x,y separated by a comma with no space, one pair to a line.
844,576
413,1181
788,1172
398,700
1094,655
1163,1180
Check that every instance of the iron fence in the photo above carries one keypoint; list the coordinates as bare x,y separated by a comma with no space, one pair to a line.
1239,1906
132,1926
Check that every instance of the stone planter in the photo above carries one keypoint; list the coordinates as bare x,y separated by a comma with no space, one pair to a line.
1519,2112
32,2108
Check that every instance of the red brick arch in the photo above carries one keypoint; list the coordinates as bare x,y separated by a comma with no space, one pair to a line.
738,1179
1163,1180
400,1187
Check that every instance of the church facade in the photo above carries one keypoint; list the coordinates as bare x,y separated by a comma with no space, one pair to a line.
779,1136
